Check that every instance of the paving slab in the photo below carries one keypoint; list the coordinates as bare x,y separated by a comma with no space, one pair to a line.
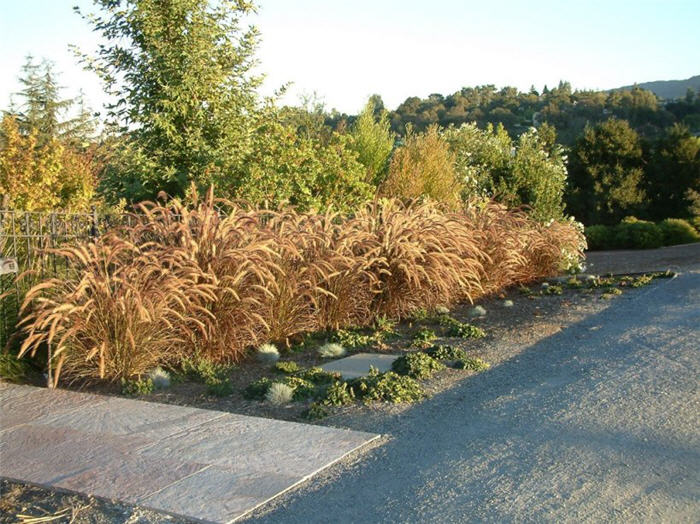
205,465
358,365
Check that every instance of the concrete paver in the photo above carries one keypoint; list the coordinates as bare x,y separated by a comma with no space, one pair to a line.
207,465
358,365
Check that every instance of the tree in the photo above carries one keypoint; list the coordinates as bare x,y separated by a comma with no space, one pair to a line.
181,75
373,141
529,172
673,171
606,173
424,167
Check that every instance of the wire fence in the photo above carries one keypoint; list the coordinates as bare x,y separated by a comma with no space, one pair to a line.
26,238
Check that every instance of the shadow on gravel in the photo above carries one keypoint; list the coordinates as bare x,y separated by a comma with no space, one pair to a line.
588,420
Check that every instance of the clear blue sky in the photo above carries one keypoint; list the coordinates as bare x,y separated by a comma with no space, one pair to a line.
346,50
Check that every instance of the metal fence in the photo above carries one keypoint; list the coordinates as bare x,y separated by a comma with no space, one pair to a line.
24,239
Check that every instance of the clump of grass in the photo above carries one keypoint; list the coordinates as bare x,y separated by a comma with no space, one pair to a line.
574,283
136,387
442,310
279,394
331,350
417,365
267,354
287,367
477,311
423,338
160,378
524,290
472,364
508,303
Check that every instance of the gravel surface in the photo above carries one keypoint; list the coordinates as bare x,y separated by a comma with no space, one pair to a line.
674,258
596,422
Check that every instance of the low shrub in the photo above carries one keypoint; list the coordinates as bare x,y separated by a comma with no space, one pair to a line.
423,338
258,389
315,411
303,388
136,387
338,394
600,237
387,387
677,231
472,364
464,330
318,376
287,367
417,365
637,234
447,353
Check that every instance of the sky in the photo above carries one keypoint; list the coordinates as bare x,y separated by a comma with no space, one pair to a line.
346,50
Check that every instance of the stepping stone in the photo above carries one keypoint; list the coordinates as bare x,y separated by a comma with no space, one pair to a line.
204,465
358,365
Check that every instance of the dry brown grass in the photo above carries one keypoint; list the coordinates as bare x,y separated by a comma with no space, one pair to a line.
188,279
121,310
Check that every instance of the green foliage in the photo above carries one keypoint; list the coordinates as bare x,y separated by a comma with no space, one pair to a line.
473,364
423,338
455,328
303,388
219,387
287,367
318,376
11,368
447,353
417,365
258,389
338,394
552,290
606,172
315,411
632,233
373,142
677,231
205,371
387,387
136,387
423,167
673,173
283,167
600,237
530,171
183,84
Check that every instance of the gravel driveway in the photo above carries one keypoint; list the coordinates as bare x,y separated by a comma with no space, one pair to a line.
598,422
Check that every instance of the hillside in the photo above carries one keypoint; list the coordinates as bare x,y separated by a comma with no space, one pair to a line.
669,89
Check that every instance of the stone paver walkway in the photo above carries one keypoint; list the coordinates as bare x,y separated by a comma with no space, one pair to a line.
207,465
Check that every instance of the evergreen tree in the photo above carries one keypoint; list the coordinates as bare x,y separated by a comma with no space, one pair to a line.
606,173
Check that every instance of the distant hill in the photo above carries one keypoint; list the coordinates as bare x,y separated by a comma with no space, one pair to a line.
669,89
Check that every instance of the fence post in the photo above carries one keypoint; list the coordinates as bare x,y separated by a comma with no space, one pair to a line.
94,230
